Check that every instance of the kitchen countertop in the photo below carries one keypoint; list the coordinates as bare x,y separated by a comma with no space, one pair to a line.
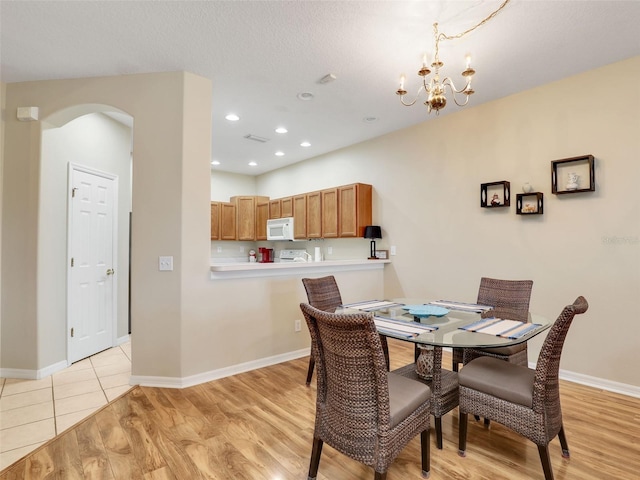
246,269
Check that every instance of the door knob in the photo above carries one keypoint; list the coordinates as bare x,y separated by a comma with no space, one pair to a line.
111,271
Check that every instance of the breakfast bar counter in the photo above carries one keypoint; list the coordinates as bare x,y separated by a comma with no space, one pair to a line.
221,271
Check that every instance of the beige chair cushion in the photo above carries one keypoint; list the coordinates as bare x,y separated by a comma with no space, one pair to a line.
511,350
513,383
405,396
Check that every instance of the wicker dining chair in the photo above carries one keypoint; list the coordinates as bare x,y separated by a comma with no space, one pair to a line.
524,400
510,300
444,389
362,410
323,293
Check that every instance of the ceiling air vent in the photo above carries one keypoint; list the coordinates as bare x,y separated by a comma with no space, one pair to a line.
256,138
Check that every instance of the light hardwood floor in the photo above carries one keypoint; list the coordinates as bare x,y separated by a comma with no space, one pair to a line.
259,425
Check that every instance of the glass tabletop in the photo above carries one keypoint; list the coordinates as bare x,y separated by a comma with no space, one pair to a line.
444,330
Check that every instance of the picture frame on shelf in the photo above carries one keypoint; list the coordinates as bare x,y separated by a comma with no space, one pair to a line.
382,254
573,175
495,194
529,203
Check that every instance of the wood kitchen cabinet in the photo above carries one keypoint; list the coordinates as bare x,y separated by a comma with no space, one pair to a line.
330,219
262,215
286,207
314,215
354,209
227,221
215,220
299,214
275,209
246,216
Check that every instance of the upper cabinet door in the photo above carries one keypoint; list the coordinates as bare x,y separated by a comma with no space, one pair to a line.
275,207
215,220
330,215
299,216
355,208
314,215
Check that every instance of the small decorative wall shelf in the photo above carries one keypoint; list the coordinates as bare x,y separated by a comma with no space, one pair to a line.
573,175
495,194
529,203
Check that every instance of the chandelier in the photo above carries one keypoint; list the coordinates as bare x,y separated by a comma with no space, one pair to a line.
434,87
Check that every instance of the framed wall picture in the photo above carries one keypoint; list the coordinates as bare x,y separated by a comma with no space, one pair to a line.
382,254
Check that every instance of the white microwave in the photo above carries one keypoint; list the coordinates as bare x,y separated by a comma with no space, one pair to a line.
280,229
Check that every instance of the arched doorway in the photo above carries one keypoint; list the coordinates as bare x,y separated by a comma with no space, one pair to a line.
95,139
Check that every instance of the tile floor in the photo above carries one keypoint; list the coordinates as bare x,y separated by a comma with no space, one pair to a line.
34,411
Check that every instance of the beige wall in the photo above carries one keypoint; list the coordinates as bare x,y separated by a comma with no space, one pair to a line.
166,155
426,198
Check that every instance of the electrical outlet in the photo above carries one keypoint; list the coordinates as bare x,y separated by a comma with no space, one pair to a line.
165,264
219,250
329,250
393,250
297,325
241,249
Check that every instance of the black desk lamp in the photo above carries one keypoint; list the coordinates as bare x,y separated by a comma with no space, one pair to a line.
372,232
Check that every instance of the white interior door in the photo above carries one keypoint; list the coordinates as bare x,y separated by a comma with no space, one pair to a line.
92,246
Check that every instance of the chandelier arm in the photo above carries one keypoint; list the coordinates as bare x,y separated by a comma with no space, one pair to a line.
415,100
448,82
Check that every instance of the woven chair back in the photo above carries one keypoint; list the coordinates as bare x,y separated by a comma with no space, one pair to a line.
510,298
323,293
353,394
546,390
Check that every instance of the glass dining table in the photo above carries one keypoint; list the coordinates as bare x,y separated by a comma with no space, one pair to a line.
446,324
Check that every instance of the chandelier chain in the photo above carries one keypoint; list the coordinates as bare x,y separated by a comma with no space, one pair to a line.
443,36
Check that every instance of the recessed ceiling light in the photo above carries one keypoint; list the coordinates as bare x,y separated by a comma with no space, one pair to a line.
281,130
215,162
232,117
370,119
305,144
252,164
279,154
305,96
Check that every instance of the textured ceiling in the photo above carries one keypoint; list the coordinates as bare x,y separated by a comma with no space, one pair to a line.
260,54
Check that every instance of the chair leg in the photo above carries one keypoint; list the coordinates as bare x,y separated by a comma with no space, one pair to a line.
438,422
563,443
380,476
312,363
546,461
315,459
426,453
462,434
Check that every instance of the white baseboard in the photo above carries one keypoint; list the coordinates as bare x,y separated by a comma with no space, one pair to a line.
25,374
177,382
601,383
121,340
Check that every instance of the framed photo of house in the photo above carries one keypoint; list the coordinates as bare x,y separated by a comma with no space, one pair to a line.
495,194
382,254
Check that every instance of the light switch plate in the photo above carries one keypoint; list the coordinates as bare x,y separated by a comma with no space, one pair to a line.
165,264
393,250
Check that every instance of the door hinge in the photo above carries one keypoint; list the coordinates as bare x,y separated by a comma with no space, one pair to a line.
73,192
72,261
72,332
